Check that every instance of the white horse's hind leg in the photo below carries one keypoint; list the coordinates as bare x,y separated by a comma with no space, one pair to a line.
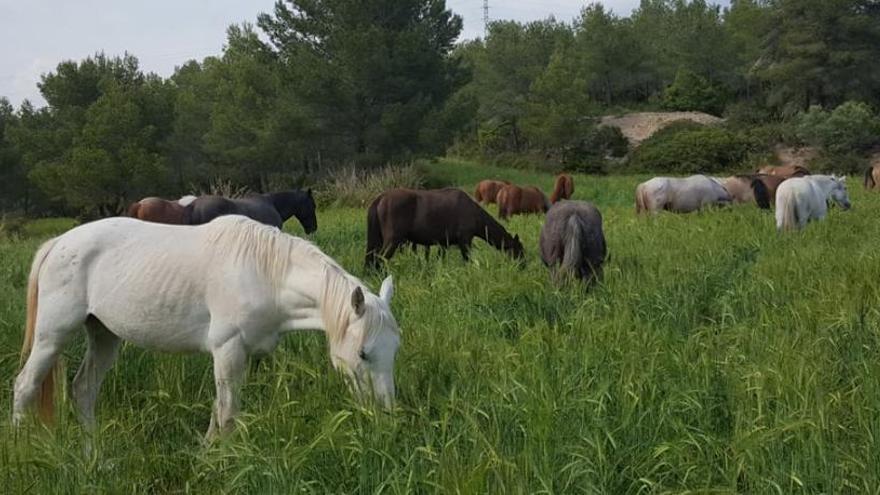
101,353
56,323
230,364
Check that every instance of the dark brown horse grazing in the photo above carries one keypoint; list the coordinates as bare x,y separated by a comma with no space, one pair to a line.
487,190
764,187
162,210
563,189
514,200
271,209
785,171
445,217
572,241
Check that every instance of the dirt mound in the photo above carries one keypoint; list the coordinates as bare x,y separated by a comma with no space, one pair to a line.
800,157
640,126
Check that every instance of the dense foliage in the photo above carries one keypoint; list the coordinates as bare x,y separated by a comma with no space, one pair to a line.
322,84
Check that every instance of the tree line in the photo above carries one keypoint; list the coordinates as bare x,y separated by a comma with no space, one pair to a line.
316,84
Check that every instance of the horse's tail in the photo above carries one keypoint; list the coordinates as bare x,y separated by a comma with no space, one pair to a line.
501,200
477,194
762,194
573,257
786,212
46,407
133,209
374,234
569,187
869,178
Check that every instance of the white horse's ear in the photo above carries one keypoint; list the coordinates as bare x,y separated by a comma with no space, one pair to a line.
357,301
387,289
843,178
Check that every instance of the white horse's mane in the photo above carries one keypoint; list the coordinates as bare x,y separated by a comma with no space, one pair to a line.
274,251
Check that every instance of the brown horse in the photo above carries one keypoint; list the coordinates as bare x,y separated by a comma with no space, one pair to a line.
764,187
160,210
487,190
445,217
785,171
515,200
872,177
563,189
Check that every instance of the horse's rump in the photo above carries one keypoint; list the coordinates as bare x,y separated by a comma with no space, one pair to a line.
513,200
563,188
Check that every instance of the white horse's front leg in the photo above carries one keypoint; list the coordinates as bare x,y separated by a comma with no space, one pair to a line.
230,364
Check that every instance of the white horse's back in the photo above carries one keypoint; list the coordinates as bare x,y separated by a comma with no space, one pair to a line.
679,194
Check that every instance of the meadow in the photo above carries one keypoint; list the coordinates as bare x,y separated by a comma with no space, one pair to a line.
716,356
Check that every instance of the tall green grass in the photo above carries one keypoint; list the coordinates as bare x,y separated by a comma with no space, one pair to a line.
716,356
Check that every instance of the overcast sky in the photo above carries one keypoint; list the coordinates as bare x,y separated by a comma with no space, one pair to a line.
35,35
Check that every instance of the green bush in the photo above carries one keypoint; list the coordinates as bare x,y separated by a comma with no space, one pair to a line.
851,127
838,163
590,155
691,92
350,186
685,149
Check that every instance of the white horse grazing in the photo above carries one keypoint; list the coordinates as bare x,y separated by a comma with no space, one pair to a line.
186,200
231,287
680,195
801,199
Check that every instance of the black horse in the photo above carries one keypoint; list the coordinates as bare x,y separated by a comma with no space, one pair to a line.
271,209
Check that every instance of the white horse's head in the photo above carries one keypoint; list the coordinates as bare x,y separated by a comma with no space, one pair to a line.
838,192
369,346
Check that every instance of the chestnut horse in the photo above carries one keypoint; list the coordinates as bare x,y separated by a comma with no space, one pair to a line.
487,190
160,210
765,187
784,171
514,200
872,177
563,189
446,217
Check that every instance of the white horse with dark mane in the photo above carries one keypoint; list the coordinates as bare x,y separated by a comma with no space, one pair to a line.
680,195
231,288
801,199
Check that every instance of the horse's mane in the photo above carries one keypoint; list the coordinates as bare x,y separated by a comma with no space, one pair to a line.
274,251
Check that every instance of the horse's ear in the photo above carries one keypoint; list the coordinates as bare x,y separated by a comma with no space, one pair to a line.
387,289
357,301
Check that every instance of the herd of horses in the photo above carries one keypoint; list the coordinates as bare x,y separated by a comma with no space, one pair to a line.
217,275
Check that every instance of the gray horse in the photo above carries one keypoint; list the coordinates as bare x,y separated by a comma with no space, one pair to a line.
680,195
572,241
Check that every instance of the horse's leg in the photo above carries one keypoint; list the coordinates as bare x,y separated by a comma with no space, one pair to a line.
465,248
103,347
56,322
389,248
230,363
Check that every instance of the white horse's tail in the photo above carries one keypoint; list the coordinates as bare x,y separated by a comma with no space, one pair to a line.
786,211
641,202
573,257
47,389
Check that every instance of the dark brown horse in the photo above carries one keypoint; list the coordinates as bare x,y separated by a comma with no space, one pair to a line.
785,171
487,190
563,188
572,241
162,210
444,217
515,200
271,209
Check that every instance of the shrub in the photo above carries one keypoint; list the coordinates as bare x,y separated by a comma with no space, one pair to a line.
349,186
851,127
838,163
685,149
690,91
590,155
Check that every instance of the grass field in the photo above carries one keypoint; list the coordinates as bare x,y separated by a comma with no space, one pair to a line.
716,356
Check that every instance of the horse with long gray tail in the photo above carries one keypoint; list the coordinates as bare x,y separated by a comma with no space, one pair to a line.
230,288
572,241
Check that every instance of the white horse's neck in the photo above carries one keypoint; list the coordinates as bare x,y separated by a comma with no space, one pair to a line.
313,286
